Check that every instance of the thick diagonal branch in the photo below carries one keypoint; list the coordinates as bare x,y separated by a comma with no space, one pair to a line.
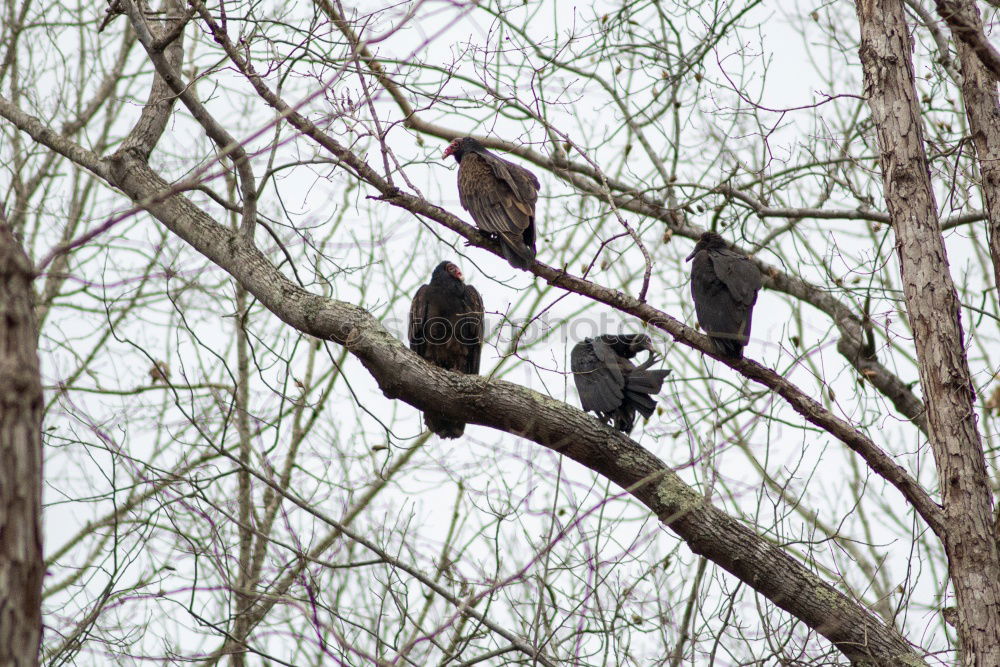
969,32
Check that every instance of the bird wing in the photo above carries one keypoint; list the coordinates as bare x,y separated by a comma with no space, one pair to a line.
471,329
719,311
521,182
599,383
418,316
739,274
494,201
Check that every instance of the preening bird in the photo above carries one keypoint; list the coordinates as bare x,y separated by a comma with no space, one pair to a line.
446,329
500,196
611,385
724,285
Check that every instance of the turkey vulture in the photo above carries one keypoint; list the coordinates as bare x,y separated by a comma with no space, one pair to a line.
446,329
724,285
500,196
611,385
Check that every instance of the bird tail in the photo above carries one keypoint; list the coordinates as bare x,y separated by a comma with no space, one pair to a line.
638,387
729,346
641,402
442,427
517,253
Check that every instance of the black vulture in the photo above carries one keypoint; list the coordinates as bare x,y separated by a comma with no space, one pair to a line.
446,329
500,196
611,385
724,285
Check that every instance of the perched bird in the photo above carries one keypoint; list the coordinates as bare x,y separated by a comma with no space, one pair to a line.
724,285
446,329
500,196
611,385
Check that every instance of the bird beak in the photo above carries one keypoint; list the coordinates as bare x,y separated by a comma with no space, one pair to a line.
649,348
448,151
691,256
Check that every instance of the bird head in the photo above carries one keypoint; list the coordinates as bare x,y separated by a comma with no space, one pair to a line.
642,342
461,146
446,270
629,345
708,241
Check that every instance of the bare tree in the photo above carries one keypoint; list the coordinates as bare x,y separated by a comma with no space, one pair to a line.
228,208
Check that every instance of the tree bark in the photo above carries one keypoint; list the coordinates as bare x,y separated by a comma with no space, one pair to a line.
934,311
21,564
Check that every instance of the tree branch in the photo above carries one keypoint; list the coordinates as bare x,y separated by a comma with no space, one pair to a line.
979,92
875,458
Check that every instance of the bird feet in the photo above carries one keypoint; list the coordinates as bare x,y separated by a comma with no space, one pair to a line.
391,193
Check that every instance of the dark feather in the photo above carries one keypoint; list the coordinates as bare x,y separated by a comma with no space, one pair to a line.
443,427
600,386
446,329
648,382
643,403
610,384
500,196
724,286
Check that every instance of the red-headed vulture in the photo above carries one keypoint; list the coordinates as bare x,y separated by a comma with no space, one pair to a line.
446,329
611,385
500,196
724,285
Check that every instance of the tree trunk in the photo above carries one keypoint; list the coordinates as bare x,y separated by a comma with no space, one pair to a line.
21,566
933,308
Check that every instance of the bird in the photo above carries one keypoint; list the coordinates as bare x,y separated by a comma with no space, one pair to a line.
446,329
724,286
611,385
500,196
